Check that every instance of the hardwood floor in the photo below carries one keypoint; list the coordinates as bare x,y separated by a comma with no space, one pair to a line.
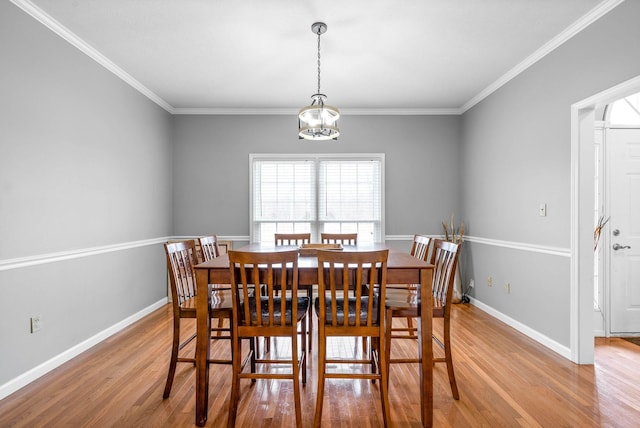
505,379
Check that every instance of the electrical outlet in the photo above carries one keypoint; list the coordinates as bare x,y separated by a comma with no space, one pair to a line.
36,324
507,287
472,283
489,282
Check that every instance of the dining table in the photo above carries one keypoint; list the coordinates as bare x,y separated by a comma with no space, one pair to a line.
402,268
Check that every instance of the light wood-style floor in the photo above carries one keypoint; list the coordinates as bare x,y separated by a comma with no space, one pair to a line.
505,380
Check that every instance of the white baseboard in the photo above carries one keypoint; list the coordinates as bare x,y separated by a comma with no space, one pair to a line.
527,331
24,379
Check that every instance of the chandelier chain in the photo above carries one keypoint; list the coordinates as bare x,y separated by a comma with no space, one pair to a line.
319,60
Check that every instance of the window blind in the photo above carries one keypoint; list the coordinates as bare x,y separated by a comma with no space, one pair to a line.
314,194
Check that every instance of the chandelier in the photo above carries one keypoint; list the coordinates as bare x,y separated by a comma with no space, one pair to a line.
318,121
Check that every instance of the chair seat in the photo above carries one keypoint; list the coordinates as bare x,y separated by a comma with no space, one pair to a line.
303,306
352,310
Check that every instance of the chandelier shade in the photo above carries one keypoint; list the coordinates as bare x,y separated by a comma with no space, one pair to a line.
318,121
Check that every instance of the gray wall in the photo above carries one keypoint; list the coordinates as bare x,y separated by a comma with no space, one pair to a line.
85,163
516,155
211,169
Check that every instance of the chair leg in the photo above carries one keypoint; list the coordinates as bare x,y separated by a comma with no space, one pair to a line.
254,344
174,357
365,347
236,354
296,372
322,348
305,353
220,325
310,320
253,349
374,347
387,341
449,360
384,379
266,348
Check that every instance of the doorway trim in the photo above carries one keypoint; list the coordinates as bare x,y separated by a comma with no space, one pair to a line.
581,261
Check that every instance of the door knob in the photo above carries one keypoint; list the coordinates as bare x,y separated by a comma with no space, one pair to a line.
617,247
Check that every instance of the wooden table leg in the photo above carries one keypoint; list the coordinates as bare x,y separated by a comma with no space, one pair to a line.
203,327
425,349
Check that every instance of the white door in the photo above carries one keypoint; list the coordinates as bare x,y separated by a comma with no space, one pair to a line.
623,149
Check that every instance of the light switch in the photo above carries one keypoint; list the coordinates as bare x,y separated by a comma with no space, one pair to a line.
543,210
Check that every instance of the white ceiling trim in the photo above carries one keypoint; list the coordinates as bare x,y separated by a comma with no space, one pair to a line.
87,49
343,111
591,17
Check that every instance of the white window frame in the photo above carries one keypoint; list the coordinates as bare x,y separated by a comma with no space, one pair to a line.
317,158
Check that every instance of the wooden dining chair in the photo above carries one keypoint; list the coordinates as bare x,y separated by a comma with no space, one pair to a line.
181,257
210,250
298,239
420,250
361,315
339,238
406,303
267,315
209,247
292,238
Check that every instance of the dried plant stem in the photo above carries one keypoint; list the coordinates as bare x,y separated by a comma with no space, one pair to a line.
450,233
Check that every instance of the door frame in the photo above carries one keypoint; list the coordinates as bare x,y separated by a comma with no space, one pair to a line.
582,202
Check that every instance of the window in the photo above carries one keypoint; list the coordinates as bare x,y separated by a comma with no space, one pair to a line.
317,193
625,111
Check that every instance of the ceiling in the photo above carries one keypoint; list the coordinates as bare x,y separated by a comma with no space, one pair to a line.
256,56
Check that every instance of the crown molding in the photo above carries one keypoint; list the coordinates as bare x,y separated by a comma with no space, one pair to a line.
582,23
48,21
234,111
402,111
293,111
